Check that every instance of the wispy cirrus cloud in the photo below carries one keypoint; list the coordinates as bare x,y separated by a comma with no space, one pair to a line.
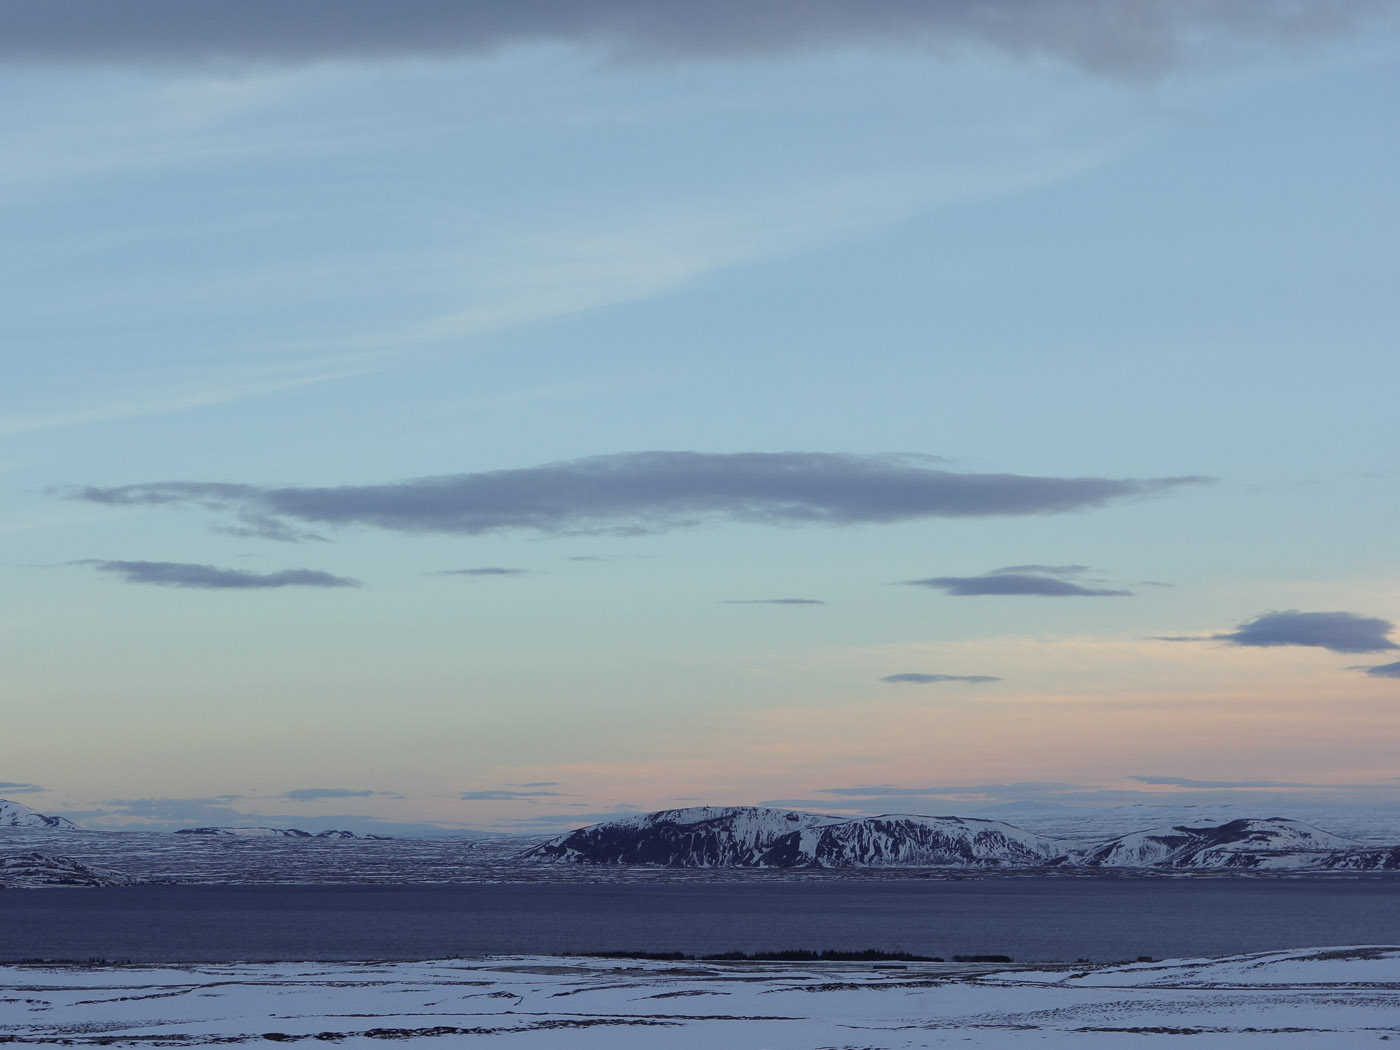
918,678
319,794
486,570
772,601
1044,581
212,578
10,787
645,492
1142,40
507,795
1339,632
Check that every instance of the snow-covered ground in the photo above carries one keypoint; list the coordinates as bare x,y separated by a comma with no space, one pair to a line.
1332,998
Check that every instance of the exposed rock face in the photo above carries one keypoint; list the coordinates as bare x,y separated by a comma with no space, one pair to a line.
17,815
708,837
30,870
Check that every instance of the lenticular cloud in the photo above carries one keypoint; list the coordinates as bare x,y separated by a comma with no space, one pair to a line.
642,492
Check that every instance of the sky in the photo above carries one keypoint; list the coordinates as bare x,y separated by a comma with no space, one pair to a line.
451,415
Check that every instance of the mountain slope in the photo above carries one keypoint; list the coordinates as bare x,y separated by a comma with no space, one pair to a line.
29,870
17,815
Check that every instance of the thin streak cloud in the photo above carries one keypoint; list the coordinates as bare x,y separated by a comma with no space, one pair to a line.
917,678
209,577
646,492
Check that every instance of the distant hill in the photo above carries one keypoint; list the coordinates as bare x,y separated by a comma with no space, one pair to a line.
17,815
273,833
745,836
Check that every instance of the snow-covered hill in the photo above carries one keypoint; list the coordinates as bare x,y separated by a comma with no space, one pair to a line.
712,837
1272,844
29,870
17,815
745,836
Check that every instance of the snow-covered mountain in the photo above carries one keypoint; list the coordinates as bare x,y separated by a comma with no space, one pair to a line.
270,833
17,815
697,837
745,836
28,870
711,837
1274,843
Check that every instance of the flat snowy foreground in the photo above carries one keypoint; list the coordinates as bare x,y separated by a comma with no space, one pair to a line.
1320,997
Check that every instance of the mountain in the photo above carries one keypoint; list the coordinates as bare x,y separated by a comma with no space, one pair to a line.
746,836
1272,844
28,870
16,815
269,833
697,837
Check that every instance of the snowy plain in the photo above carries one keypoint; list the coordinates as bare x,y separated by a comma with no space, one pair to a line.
1304,998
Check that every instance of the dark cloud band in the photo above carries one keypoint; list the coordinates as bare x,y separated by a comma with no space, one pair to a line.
641,492
209,577
1140,39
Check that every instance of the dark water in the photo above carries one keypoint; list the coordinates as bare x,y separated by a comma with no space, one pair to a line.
1032,920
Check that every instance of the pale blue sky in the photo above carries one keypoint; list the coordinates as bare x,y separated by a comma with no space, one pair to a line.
356,266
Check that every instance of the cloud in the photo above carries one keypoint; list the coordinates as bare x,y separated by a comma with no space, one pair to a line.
12,788
316,794
1144,39
916,678
961,790
1045,581
1341,632
1186,782
507,796
489,570
541,784
644,492
773,601
209,577
1383,670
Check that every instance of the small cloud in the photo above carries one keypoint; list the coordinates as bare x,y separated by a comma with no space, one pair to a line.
507,796
1044,581
487,570
773,601
915,678
315,794
1340,632
541,784
10,787
209,577
1377,671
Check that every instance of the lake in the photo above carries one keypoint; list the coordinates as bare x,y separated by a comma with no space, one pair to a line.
1029,919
